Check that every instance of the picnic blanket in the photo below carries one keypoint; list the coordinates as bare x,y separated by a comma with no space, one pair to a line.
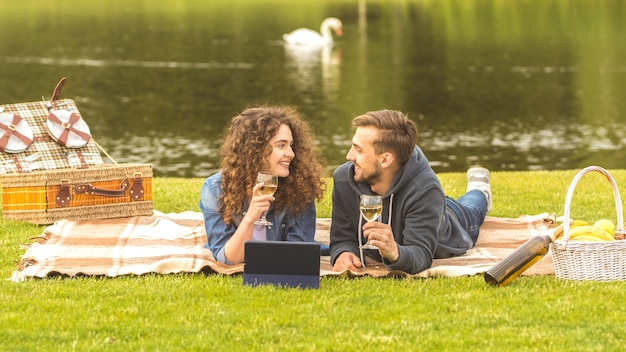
174,243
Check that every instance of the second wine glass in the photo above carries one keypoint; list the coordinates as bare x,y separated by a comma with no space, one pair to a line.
270,184
371,206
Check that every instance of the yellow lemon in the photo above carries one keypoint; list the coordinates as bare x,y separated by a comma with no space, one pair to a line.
606,225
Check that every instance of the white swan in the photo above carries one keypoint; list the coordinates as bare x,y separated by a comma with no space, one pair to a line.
305,36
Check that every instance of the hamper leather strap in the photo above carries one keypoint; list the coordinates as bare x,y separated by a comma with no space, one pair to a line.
11,131
63,196
18,164
136,190
81,158
67,128
57,91
86,188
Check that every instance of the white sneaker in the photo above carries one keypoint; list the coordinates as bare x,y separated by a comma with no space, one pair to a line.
478,179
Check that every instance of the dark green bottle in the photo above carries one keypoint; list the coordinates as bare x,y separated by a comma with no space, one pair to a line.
517,262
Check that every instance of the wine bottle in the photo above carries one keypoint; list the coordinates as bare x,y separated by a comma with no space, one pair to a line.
517,262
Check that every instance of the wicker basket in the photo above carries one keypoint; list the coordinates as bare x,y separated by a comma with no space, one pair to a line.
596,261
96,192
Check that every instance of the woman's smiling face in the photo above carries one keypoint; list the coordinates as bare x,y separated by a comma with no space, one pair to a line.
282,152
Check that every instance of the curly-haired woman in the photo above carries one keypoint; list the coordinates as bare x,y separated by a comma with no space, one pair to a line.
266,138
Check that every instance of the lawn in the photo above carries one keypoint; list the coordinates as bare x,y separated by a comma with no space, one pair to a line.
197,312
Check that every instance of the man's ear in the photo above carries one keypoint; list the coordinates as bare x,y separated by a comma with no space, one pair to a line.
387,159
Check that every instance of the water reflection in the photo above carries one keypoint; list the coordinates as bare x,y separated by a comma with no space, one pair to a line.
127,63
546,147
309,65
511,85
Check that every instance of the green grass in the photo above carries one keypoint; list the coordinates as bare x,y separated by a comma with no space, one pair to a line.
196,312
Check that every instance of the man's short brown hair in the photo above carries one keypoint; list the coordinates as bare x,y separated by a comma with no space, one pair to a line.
397,133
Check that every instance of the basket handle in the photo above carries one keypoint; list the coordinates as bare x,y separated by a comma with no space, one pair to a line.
570,192
86,188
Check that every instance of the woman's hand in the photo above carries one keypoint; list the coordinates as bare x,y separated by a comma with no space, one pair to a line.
259,204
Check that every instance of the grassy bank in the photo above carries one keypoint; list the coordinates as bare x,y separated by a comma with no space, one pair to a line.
196,312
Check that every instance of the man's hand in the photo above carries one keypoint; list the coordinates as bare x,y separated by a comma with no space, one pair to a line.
379,234
347,261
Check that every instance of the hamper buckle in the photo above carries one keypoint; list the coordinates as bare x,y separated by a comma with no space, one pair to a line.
63,196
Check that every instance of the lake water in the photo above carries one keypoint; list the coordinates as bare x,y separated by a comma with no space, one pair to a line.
512,85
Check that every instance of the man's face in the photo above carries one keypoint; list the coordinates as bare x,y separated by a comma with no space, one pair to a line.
363,156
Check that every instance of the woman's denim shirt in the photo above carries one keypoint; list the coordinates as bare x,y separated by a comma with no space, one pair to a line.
287,226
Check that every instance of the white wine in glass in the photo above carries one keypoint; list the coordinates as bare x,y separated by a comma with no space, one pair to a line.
371,206
268,190
270,184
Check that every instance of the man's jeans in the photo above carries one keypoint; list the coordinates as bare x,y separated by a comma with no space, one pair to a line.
471,209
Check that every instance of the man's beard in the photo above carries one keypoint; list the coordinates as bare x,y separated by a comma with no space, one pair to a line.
370,178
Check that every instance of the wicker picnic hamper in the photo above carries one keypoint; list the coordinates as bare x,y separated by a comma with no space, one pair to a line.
51,168
595,261
45,135
99,192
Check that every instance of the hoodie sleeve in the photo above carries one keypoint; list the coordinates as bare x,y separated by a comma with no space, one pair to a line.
424,218
343,230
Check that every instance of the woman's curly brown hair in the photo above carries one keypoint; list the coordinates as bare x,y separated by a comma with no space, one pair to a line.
243,154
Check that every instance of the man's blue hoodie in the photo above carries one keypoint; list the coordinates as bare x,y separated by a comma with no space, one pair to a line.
414,207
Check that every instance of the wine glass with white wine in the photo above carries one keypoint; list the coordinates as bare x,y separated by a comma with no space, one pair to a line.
270,184
371,206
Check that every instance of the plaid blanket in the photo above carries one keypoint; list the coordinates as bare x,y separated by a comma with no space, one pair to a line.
174,243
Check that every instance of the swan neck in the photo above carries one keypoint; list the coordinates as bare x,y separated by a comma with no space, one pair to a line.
325,30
